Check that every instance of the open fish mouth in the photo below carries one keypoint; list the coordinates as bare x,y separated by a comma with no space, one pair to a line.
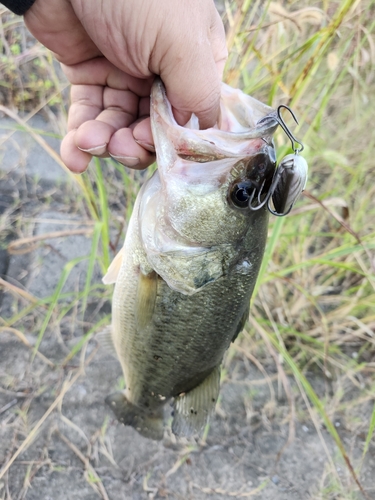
246,127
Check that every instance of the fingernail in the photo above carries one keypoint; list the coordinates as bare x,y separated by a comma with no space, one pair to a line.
146,145
95,151
80,172
128,161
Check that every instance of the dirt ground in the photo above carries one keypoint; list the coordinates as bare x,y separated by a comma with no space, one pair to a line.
58,440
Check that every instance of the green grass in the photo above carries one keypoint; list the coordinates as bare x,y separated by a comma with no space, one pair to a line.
317,277
314,300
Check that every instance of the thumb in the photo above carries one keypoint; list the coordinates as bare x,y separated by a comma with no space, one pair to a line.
191,70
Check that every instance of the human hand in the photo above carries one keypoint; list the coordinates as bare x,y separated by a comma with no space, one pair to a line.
111,51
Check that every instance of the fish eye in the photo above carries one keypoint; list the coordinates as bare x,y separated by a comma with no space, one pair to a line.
240,193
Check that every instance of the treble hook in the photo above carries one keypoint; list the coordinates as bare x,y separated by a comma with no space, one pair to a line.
289,178
275,181
284,126
261,203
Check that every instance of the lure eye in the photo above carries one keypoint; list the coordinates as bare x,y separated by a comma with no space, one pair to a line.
240,193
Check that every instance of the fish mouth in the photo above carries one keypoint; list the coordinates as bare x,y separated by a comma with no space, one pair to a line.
234,136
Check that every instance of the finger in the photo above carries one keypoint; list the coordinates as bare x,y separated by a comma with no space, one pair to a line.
55,24
88,100
188,66
99,71
76,160
86,104
93,137
123,148
118,108
193,86
143,136
218,43
144,106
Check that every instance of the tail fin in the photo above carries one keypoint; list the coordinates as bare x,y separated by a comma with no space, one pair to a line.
149,425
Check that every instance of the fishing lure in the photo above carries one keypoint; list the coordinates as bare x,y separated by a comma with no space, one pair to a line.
289,179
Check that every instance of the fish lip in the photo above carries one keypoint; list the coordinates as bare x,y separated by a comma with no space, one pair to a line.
266,126
269,119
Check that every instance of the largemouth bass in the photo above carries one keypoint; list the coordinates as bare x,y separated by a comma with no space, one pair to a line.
191,256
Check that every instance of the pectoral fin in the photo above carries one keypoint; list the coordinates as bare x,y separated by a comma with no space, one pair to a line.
193,409
114,268
146,296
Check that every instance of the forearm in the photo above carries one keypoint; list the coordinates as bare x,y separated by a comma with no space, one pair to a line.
18,6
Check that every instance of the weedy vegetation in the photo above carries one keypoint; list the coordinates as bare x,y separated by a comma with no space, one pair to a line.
313,311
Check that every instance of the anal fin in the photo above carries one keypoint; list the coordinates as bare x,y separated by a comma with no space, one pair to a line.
105,339
148,424
193,409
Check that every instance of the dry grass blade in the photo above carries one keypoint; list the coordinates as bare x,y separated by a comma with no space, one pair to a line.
260,367
180,461
52,153
24,340
305,386
8,405
18,291
14,246
327,34
77,429
39,140
35,430
96,483
285,382
232,494
339,219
